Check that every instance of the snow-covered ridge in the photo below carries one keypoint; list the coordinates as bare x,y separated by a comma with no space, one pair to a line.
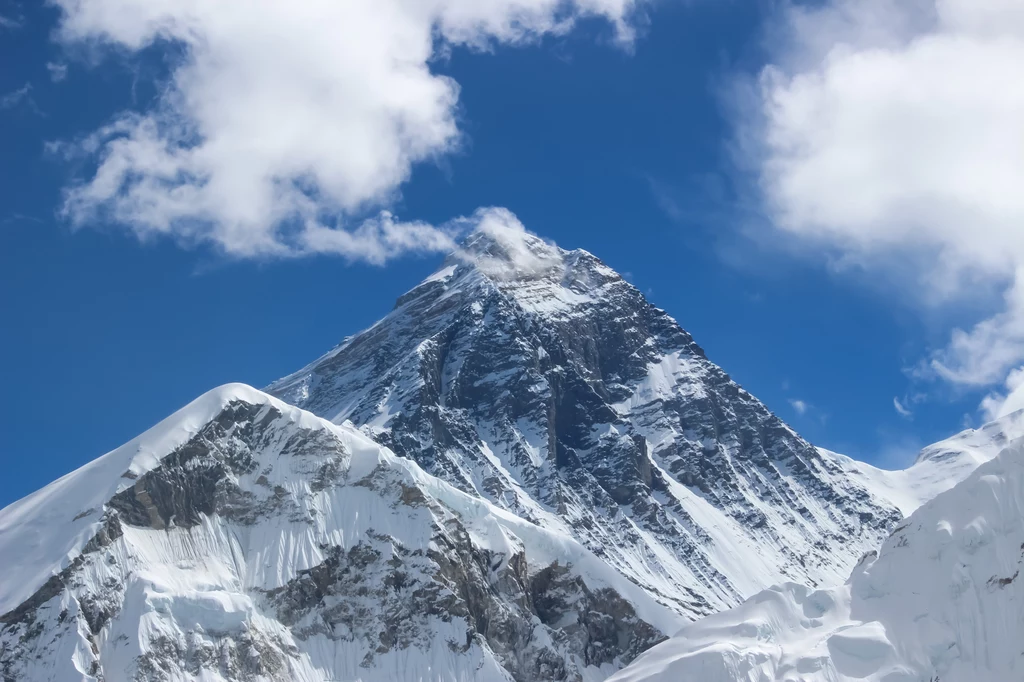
48,528
249,539
938,467
941,600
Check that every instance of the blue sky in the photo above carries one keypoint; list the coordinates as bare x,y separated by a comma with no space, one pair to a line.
632,142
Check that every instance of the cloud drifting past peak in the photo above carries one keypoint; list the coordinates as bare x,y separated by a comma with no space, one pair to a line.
284,119
890,130
503,249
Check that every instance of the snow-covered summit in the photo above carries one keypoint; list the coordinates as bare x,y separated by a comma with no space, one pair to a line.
539,379
48,528
941,600
501,248
977,445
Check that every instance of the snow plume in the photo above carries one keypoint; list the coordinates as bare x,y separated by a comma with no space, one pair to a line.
283,121
889,131
1000,404
502,248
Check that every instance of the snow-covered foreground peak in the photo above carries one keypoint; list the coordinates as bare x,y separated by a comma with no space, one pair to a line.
245,539
941,600
46,529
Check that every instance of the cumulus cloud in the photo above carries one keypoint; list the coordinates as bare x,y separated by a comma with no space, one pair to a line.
890,131
284,120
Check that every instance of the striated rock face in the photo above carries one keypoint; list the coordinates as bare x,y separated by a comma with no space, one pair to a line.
540,380
257,542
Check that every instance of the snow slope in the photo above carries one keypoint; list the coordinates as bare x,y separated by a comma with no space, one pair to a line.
942,600
245,539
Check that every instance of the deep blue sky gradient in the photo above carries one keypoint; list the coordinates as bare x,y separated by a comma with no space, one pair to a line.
622,154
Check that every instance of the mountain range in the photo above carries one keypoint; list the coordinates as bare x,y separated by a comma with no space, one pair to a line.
525,471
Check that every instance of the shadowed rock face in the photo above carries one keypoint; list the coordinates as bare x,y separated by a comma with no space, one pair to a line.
562,395
197,565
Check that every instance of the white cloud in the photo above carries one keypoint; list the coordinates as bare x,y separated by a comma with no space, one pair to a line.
799,405
284,120
890,131
901,409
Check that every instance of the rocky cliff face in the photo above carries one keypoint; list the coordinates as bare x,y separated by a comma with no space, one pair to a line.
540,380
258,542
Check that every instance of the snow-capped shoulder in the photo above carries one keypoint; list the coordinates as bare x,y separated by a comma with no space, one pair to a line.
49,527
204,534
978,445
937,467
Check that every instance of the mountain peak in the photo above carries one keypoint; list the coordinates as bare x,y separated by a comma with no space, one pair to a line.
502,249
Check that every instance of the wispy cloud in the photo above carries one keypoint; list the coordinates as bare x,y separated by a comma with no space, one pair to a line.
1008,399
58,71
9,23
800,406
901,409
896,452
16,97
285,123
